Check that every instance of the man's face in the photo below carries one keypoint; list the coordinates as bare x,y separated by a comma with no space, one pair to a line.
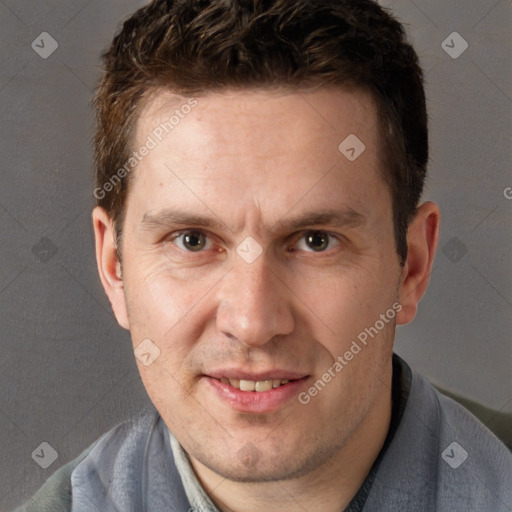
244,173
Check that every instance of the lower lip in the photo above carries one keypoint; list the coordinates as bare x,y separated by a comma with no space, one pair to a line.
256,401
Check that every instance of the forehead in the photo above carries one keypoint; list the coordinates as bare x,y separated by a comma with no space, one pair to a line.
259,146
334,109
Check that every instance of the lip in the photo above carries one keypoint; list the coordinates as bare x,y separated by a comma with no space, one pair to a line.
233,373
256,402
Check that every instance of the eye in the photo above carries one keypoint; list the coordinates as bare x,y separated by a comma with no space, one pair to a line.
192,241
316,241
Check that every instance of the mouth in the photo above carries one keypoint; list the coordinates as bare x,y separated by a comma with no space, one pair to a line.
258,386
259,394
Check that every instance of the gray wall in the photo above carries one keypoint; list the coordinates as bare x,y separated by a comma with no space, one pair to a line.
67,371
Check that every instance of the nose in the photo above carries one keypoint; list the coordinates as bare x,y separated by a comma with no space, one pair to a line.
253,304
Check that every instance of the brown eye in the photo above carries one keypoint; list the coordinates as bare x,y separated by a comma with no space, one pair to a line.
317,240
193,241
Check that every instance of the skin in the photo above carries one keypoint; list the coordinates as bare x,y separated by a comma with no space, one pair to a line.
253,161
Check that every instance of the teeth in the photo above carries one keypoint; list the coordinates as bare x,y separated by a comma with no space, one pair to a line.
247,385
251,385
263,385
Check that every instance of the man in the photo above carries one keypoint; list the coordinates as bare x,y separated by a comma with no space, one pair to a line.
258,230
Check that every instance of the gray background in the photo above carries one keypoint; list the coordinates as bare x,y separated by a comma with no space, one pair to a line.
67,371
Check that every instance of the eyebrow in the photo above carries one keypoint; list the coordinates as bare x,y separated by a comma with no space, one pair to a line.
168,217
165,218
347,217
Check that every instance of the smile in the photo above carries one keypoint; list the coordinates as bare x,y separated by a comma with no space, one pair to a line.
263,395
252,385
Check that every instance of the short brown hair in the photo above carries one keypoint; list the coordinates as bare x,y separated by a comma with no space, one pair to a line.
196,46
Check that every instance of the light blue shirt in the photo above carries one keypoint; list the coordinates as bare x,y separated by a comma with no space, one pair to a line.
440,458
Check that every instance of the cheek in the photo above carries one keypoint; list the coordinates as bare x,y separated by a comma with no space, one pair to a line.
347,299
160,306
350,307
169,313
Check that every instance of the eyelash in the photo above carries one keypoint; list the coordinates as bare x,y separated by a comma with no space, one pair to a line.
332,238
319,231
179,234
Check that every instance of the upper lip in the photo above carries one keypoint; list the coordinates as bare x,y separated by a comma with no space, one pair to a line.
239,374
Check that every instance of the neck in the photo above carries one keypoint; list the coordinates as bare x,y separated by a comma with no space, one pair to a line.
329,487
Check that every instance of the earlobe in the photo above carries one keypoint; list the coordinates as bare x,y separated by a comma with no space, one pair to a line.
422,238
109,266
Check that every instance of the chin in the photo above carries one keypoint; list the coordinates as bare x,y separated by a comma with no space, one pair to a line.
250,465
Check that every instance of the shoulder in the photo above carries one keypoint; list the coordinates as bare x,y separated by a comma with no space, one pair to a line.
475,467
127,439
441,458
472,468
454,422
56,493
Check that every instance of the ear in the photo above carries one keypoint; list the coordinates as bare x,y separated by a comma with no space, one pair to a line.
422,237
109,266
